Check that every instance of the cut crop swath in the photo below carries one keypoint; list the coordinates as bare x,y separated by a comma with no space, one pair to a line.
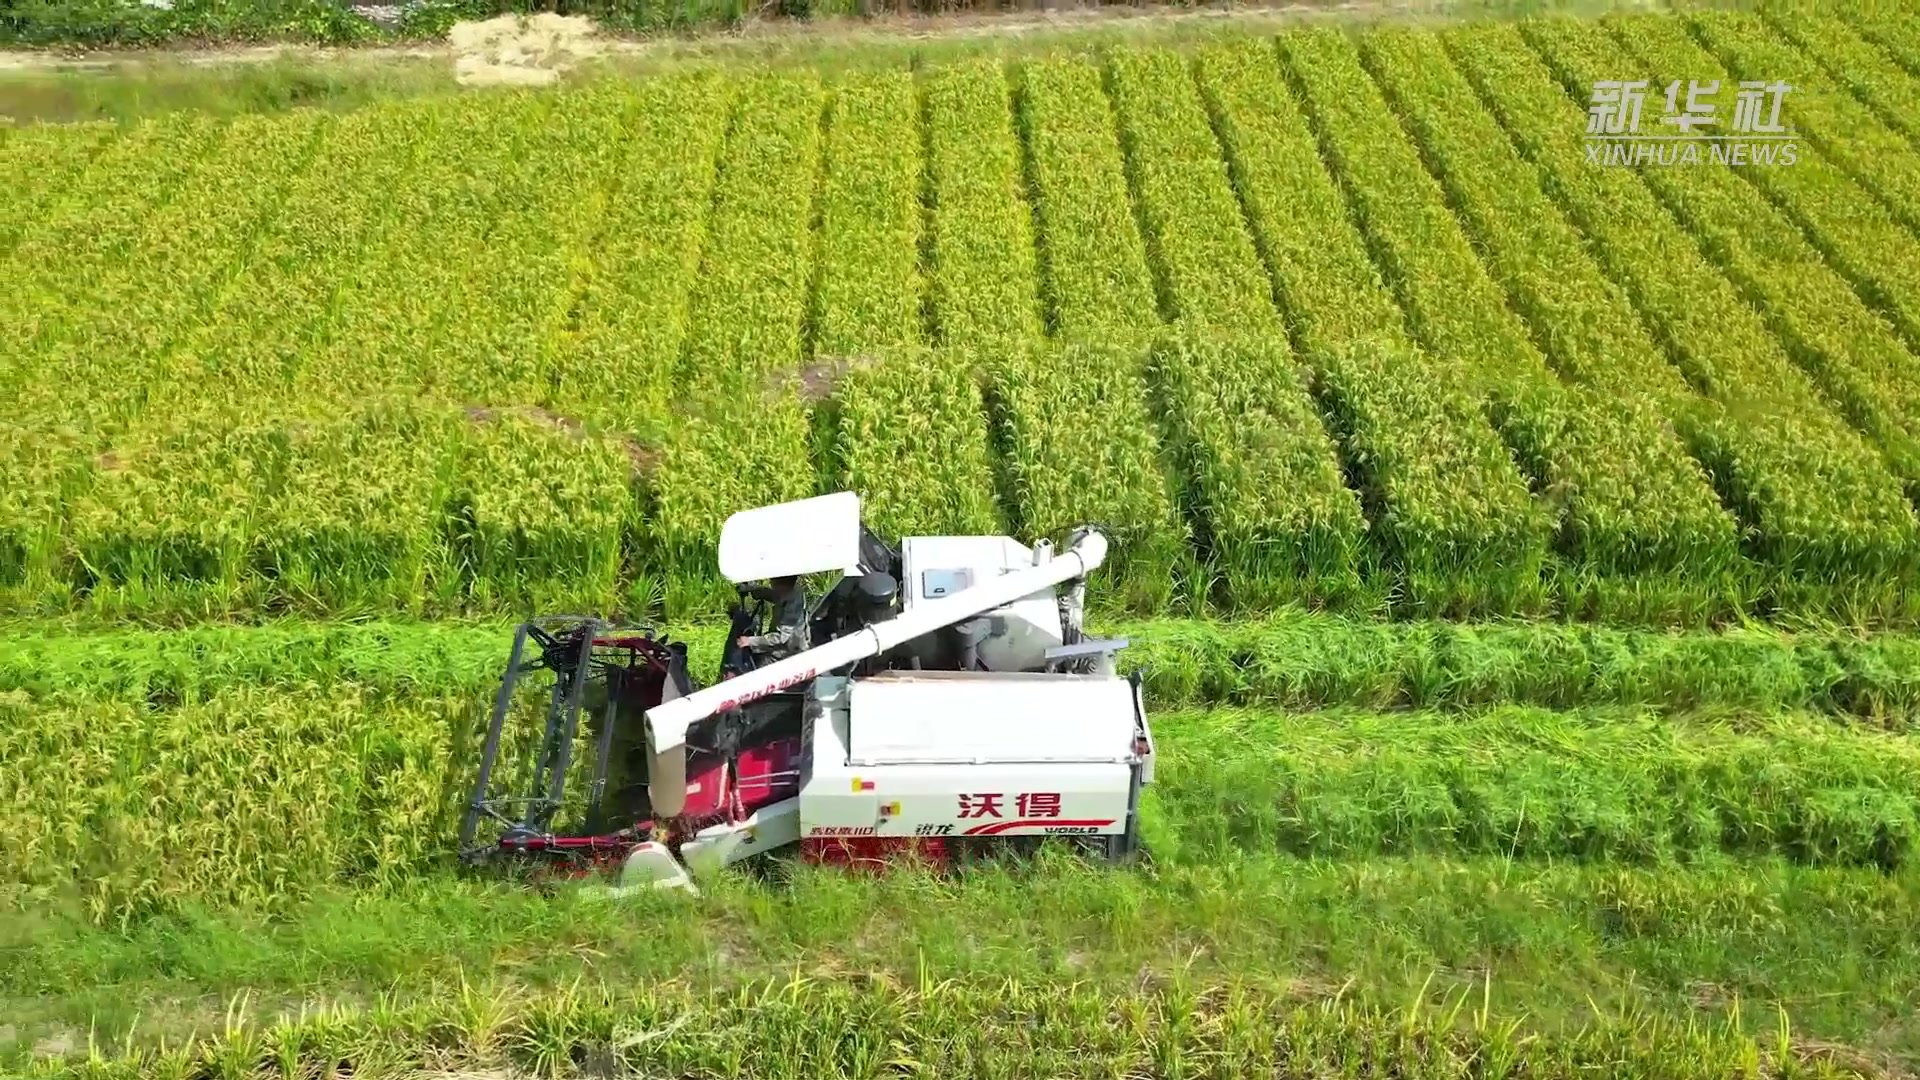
1640,527
985,280
1542,785
617,367
1099,288
1820,109
743,436
1822,508
1854,357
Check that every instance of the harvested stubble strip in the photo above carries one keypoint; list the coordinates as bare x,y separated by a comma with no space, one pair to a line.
1098,286
1209,274
1534,784
1629,501
313,788
1820,109
1081,449
1281,523
969,1027
496,343
985,284
73,256
742,434
617,368
381,330
305,266
911,438
1854,357
1385,406
40,164
361,523
1823,508
868,296
547,509
1292,661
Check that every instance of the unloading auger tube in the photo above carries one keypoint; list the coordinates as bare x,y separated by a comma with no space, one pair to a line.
668,723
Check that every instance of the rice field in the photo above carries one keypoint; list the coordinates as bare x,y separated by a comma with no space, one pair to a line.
1324,318
1521,555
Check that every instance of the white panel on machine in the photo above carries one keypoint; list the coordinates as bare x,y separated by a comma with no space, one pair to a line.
938,566
808,536
978,717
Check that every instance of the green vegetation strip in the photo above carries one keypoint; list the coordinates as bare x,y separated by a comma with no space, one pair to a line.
1294,660
1660,944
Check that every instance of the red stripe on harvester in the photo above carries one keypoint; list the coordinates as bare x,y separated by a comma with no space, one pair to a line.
1001,826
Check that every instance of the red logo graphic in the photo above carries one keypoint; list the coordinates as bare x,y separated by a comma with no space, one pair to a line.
985,804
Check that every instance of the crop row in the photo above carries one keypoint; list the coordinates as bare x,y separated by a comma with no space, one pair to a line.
1212,301
337,783
965,1027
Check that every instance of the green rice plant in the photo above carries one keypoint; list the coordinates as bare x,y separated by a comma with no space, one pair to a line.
359,524
743,435
1327,284
174,512
1852,61
1444,498
1081,449
1533,784
73,258
45,467
1633,504
969,1027
616,367
1280,522
1895,32
498,323
381,334
910,437
546,511
1819,109
251,798
1196,240
1823,510
194,243
1095,265
984,287
271,321
38,165
1854,357
868,296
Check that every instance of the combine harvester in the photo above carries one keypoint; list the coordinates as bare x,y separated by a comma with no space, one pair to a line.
963,713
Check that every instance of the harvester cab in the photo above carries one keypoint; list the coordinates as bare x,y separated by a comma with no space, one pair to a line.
949,703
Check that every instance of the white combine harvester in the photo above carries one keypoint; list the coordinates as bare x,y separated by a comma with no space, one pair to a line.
953,705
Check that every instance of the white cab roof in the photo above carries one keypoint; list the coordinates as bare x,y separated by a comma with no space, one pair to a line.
951,716
810,536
